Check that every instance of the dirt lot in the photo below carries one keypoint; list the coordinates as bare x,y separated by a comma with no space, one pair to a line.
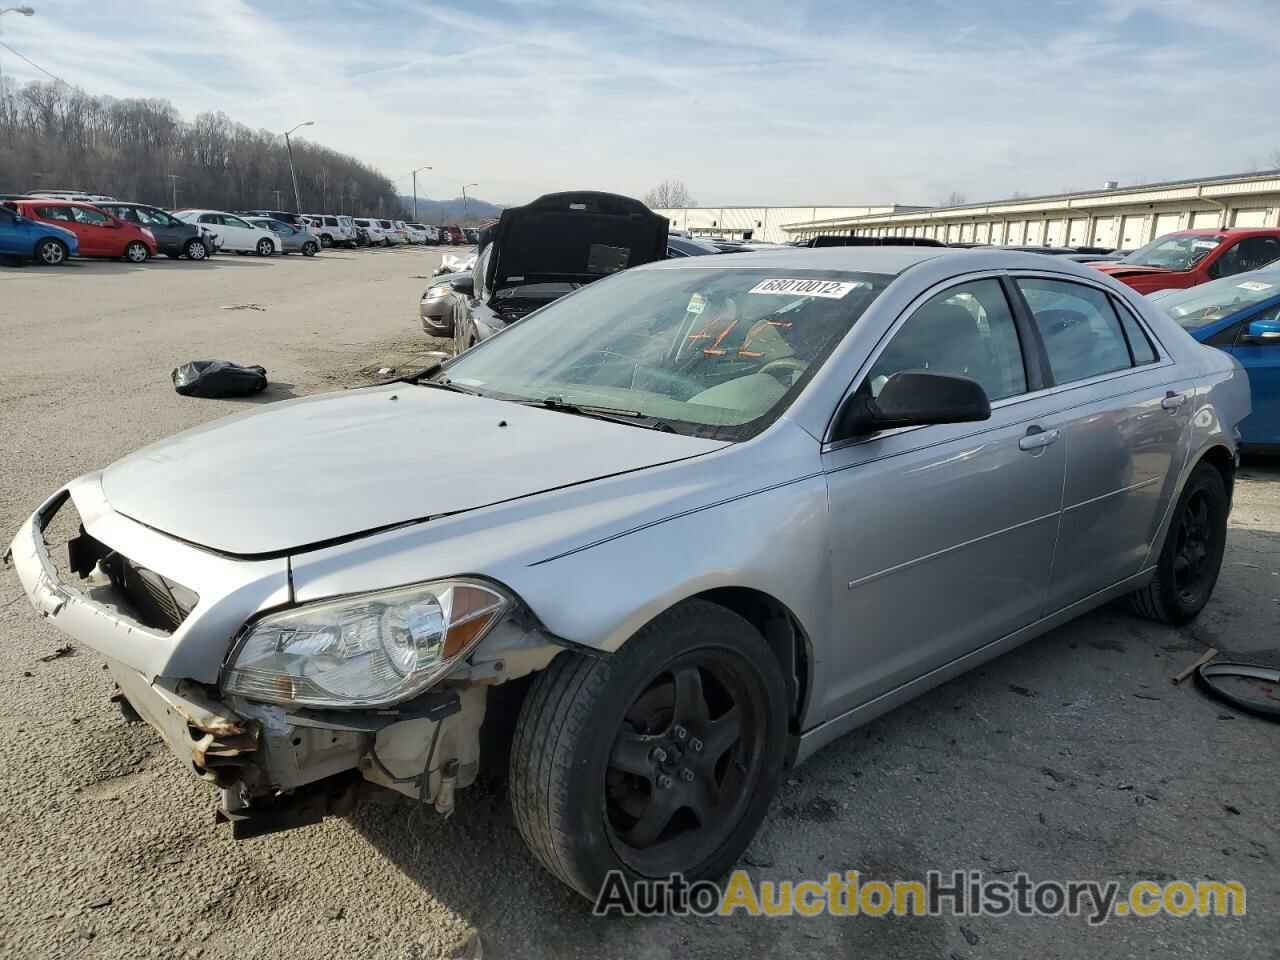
1071,758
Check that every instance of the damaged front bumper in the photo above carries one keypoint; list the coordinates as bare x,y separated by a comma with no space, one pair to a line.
164,614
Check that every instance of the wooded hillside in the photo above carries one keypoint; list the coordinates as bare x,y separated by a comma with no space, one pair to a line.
56,137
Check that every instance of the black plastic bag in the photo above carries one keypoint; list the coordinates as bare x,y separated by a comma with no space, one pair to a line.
218,378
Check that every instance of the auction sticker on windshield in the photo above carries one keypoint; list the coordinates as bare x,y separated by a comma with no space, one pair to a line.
831,289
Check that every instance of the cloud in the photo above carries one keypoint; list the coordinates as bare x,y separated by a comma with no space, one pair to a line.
747,102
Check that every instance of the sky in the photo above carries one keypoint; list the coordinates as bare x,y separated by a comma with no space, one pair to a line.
748,103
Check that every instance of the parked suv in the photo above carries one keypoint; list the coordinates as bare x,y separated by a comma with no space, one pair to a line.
174,237
36,240
373,228
100,234
1189,258
332,230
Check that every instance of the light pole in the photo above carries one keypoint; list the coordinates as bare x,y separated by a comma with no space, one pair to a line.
24,11
464,201
277,193
297,200
415,193
173,179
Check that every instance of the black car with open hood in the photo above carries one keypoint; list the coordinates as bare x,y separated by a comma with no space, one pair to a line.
539,252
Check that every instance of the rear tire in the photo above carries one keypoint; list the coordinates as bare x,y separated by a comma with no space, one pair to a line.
51,253
1192,554
326,241
137,252
660,759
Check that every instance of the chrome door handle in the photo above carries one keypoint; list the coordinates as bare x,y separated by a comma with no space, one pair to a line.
1172,401
1037,439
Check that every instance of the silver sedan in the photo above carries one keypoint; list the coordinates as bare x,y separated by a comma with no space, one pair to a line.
684,526
292,239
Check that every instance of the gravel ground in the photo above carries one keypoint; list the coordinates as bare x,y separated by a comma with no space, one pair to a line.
1070,758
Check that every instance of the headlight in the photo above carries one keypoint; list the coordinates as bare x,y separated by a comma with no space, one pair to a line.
439,291
370,650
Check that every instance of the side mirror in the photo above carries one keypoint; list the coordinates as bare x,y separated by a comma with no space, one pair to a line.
1263,333
464,285
911,399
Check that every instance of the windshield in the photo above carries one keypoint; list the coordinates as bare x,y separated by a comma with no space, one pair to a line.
712,352
1210,302
1174,252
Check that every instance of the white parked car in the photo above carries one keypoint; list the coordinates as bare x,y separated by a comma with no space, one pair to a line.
377,235
232,232
332,230
418,233
402,230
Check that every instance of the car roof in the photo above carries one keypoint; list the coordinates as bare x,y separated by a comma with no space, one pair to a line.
1226,232
884,260
60,202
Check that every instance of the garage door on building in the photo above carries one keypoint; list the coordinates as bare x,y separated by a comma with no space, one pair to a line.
1078,232
1206,220
1035,232
1252,218
1106,231
1055,233
1133,232
1166,223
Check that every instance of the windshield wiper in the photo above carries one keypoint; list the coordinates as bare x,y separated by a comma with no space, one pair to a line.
633,418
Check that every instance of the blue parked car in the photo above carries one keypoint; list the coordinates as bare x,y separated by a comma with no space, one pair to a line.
1241,315
34,240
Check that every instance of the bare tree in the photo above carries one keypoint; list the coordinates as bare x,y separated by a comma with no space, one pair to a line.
669,195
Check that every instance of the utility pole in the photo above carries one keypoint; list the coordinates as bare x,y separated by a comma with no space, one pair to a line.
464,201
173,179
297,198
277,193
415,193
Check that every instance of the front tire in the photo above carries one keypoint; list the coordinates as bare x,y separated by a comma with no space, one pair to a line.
1192,554
51,253
309,249
196,250
660,759
137,252
266,248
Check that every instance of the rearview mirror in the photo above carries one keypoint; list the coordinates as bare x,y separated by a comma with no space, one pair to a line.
912,399
464,285
1263,333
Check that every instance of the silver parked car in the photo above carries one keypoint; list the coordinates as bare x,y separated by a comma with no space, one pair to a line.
688,524
292,239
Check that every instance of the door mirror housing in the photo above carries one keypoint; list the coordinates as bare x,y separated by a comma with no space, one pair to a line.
1262,333
464,285
913,398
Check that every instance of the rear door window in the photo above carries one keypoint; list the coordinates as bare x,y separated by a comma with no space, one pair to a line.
1080,330
55,213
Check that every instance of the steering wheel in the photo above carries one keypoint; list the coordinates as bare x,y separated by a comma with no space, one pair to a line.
792,364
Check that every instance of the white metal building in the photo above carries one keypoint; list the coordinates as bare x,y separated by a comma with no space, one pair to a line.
763,223
1112,217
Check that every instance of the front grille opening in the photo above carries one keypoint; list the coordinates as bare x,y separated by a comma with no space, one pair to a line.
149,598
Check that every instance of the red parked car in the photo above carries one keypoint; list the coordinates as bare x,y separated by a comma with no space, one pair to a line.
1191,257
100,234
452,234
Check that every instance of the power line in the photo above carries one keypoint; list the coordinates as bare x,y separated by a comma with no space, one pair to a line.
31,62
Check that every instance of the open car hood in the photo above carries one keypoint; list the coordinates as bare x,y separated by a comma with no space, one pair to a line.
311,472
577,236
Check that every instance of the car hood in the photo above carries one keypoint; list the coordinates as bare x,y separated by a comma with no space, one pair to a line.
579,235
323,469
